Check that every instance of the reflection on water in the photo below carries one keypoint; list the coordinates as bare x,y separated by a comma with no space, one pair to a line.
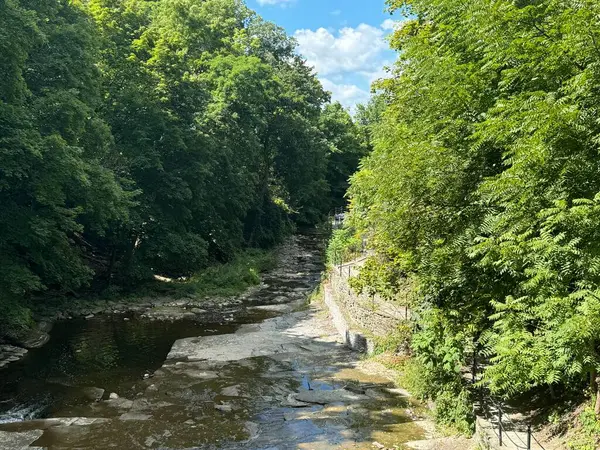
110,353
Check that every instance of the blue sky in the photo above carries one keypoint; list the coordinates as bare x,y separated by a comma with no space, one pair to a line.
343,39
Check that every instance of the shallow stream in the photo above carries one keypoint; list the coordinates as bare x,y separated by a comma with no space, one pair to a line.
279,380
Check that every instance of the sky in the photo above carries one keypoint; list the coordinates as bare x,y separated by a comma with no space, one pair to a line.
344,40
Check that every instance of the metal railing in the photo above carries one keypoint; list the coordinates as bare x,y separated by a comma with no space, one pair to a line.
505,432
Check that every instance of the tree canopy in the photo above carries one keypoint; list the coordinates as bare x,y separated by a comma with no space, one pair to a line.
142,137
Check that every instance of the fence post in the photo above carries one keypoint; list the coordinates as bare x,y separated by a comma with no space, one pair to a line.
528,437
500,427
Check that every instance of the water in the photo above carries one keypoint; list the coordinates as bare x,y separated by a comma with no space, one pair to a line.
105,352
199,401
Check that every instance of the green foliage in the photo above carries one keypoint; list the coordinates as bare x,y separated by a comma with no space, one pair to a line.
453,403
454,409
16,317
388,280
484,187
586,435
145,137
233,277
397,341
343,246
346,149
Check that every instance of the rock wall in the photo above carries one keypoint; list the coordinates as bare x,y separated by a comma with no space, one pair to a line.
359,318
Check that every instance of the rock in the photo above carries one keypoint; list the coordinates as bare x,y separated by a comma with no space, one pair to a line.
32,338
378,445
198,311
89,316
120,403
19,441
189,422
326,397
45,326
375,394
113,395
126,319
224,408
356,389
93,393
134,416
231,391
291,401
252,429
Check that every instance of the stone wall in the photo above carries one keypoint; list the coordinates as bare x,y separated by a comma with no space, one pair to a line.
360,318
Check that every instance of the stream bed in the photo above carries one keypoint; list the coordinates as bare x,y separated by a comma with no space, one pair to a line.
276,377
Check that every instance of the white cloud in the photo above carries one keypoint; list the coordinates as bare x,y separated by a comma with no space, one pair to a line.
389,24
347,61
336,12
348,95
348,50
282,3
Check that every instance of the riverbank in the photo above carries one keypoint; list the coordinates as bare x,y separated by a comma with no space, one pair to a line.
287,382
217,295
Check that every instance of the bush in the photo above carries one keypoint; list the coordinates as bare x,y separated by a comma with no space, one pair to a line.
453,403
233,277
15,317
398,341
343,246
587,435
417,379
454,409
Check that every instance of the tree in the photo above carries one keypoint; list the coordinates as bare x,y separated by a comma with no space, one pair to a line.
483,187
346,148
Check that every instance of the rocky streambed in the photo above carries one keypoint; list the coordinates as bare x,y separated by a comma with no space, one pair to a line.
264,371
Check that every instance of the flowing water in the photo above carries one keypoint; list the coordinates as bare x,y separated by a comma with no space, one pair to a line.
279,381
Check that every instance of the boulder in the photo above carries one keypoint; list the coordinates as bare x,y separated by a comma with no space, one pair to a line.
93,393
135,416
32,338
224,408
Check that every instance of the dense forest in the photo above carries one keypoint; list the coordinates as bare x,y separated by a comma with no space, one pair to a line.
154,137
483,195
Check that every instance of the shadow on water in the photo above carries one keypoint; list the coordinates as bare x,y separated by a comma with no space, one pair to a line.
248,404
109,353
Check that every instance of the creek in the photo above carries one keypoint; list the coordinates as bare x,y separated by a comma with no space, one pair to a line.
274,377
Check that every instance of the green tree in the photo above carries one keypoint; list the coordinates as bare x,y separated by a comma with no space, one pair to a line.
346,148
483,187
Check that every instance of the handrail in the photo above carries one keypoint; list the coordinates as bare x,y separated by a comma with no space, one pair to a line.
502,414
